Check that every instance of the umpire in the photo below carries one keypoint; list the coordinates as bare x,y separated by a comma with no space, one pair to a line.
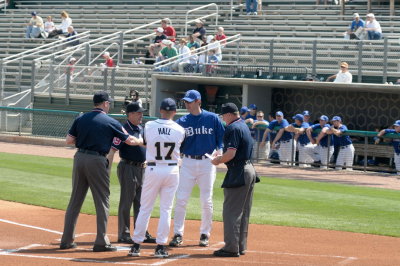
238,183
130,173
92,133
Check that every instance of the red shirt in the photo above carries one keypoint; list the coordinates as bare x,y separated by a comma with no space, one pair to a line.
110,62
220,37
170,31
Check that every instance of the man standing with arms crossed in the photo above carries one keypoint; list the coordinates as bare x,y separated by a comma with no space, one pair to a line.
238,183
163,138
204,132
130,173
92,133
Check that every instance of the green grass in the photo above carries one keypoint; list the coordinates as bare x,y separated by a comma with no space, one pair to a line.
46,181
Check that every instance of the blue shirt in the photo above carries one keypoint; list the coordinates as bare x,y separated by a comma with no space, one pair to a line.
254,117
275,126
128,152
237,136
355,25
204,133
342,140
324,141
95,131
202,32
395,142
303,138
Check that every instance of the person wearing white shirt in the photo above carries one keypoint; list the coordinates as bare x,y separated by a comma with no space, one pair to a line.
66,21
49,25
214,45
343,76
184,54
373,28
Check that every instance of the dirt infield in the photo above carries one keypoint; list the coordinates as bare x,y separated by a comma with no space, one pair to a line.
30,235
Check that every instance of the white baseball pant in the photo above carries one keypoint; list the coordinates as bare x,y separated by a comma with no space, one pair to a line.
306,154
397,162
286,150
159,180
325,157
202,173
345,157
261,152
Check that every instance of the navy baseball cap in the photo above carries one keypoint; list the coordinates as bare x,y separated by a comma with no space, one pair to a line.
168,104
279,113
134,107
229,108
336,118
299,117
397,123
101,96
324,118
253,106
192,95
306,113
34,13
243,110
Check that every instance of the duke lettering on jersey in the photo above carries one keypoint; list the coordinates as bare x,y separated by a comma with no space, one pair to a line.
190,131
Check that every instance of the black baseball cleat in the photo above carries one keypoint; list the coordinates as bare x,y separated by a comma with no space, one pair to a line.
242,252
127,240
203,240
105,248
223,253
135,250
161,252
149,238
176,241
68,245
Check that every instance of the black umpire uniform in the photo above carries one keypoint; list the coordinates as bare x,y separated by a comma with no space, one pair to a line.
130,173
92,133
238,183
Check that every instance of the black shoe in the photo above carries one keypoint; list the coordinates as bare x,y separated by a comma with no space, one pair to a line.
242,252
176,241
223,253
127,240
161,252
68,246
203,240
135,250
106,248
149,238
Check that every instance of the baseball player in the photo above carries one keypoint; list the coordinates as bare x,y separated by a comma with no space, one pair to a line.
317,135
163,138
346,152
260,152
130,173
306,149
395,142
285,139
307,117
204,132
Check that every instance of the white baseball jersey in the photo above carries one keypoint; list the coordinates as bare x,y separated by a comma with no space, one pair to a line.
163,140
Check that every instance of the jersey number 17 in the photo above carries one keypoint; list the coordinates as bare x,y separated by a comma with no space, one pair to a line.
170,145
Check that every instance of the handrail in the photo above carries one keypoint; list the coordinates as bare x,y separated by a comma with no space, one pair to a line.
27,93
100,54
198,8
143,26
48,46
139,38
3,3
197,51
11,96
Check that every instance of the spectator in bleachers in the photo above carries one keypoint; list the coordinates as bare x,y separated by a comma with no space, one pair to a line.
49,25
395,142
251,7
343,76
199,32
70,66
356,24
155,47
263,150
109,61
212,61
192,43
66,21
169,31
203,58
220,36
71,37
373,28
191,66
168,51
215,47
35,26
184,53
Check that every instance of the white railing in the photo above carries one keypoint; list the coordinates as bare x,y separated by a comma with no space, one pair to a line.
203,17
3,4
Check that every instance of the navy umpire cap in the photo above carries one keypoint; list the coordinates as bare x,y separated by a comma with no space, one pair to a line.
134,107
168,104
229,108
299,117
192,95
101,96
